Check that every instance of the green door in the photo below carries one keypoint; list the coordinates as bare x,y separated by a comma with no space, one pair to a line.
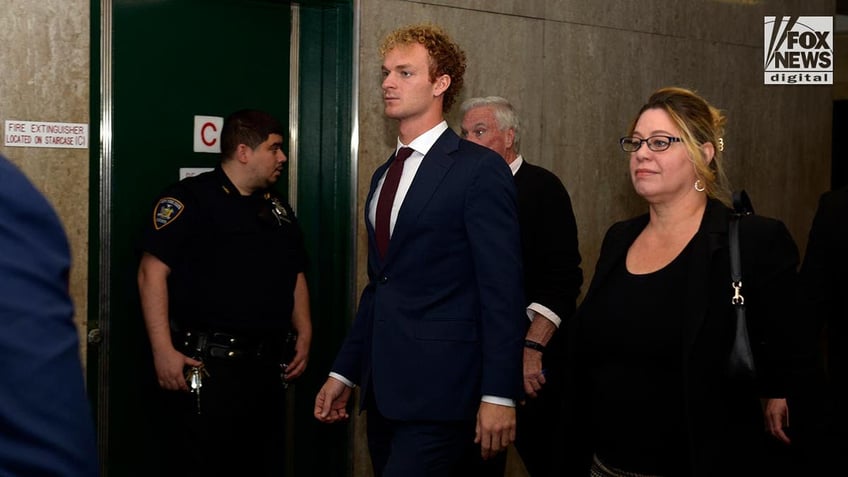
159,65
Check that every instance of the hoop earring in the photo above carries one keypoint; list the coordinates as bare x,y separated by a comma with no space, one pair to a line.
699,186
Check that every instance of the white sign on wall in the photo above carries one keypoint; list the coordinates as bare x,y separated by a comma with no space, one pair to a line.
45,134
207,130
193,171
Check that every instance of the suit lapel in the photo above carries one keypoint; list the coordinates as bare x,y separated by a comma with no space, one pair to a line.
431,172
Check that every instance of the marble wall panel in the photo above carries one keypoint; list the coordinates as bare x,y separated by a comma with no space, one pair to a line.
45,61
519,8
717,20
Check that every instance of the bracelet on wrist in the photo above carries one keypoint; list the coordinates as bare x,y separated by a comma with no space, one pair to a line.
534,345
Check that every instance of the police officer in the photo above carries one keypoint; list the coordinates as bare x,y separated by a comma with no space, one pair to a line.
222,290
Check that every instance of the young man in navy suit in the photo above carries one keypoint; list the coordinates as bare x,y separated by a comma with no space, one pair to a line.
437,342
552,279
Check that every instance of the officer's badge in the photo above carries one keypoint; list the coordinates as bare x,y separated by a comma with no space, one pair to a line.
167,210
279,211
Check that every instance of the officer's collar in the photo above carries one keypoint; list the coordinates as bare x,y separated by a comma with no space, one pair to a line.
226,184
230,189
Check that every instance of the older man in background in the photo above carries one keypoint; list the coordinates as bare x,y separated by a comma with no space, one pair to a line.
552,279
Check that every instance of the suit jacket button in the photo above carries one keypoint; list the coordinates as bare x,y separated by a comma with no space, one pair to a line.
384,279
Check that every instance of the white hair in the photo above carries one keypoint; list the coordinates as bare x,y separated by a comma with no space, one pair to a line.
505,114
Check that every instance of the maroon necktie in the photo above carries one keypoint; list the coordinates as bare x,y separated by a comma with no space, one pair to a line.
387,199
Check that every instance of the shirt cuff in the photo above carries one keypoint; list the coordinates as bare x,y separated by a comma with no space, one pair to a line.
546,312
347,382
500,401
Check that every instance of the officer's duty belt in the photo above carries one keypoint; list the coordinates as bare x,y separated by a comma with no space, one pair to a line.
229,346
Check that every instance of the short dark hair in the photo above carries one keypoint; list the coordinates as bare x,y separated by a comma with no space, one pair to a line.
248,126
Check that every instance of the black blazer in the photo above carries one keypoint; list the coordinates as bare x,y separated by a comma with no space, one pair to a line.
548,240
824,283
552,274
723,419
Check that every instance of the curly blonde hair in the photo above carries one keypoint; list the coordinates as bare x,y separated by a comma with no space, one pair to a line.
446,57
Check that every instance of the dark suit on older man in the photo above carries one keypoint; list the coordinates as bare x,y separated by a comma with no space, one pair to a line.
552,279
440,323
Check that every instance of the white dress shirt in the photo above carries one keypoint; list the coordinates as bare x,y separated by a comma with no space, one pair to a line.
420,147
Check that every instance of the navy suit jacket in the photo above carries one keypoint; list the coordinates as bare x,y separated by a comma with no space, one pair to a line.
45,421
441,321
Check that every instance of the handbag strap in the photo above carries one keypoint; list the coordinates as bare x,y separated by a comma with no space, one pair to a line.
742,203
741,207
741,364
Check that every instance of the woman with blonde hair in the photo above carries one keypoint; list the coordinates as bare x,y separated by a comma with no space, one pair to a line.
651,340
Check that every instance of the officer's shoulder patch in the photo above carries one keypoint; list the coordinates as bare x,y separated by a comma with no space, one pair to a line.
167,210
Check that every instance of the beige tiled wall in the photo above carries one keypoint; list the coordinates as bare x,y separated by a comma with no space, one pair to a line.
44,76
578,70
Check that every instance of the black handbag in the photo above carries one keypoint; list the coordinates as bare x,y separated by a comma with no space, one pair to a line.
741,360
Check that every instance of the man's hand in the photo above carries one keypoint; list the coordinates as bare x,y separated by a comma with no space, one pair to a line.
302,322
331,401
495,428
534,377
170,364
776,414
298,363
541,330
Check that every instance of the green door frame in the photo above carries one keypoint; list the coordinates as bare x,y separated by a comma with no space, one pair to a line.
326,205
323,191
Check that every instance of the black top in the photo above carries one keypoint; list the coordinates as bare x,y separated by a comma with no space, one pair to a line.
234,259
633,347
722,417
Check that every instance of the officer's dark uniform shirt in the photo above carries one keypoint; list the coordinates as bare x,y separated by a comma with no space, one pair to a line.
234,259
